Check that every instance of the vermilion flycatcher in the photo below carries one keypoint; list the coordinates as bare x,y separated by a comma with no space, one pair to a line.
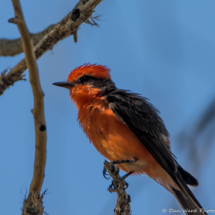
125,128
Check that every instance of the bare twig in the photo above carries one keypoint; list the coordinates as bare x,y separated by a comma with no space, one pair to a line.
14,47
6,82
118,186
66,27
38,112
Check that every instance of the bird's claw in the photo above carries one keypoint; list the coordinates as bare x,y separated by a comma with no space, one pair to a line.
113,187
126,185
105,173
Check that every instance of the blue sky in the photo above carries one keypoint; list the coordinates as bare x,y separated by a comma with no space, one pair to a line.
162,49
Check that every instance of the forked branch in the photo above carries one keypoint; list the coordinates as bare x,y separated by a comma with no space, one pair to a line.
13,47
67,26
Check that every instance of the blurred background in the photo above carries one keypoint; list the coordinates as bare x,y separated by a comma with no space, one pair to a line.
164,50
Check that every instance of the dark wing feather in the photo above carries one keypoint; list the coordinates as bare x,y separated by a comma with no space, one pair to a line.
143,120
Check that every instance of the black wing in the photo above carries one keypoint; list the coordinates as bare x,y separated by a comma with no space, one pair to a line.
143,120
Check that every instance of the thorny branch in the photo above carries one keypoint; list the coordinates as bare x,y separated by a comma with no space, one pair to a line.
67,26
33,204
14,47
118,186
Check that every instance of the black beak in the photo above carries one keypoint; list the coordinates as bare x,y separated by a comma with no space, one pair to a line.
67,85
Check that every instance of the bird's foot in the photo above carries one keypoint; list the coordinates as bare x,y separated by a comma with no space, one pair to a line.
105,172
113,169
127,174
123,161
115,185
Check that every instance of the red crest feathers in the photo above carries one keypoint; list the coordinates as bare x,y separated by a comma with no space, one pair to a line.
94,70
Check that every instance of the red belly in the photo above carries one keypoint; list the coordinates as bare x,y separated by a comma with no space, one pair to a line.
115,141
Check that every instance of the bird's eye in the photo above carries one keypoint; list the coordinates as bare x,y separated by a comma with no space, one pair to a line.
85,78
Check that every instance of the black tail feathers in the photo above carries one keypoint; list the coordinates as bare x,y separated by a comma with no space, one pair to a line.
185,197
188,178
189,205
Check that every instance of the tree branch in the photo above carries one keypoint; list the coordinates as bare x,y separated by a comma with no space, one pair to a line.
38,111
14,47
118,186
66,27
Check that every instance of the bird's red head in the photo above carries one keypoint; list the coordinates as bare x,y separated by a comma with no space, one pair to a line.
88,82
93,70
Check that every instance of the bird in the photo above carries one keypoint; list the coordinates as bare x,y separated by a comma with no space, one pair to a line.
128,131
